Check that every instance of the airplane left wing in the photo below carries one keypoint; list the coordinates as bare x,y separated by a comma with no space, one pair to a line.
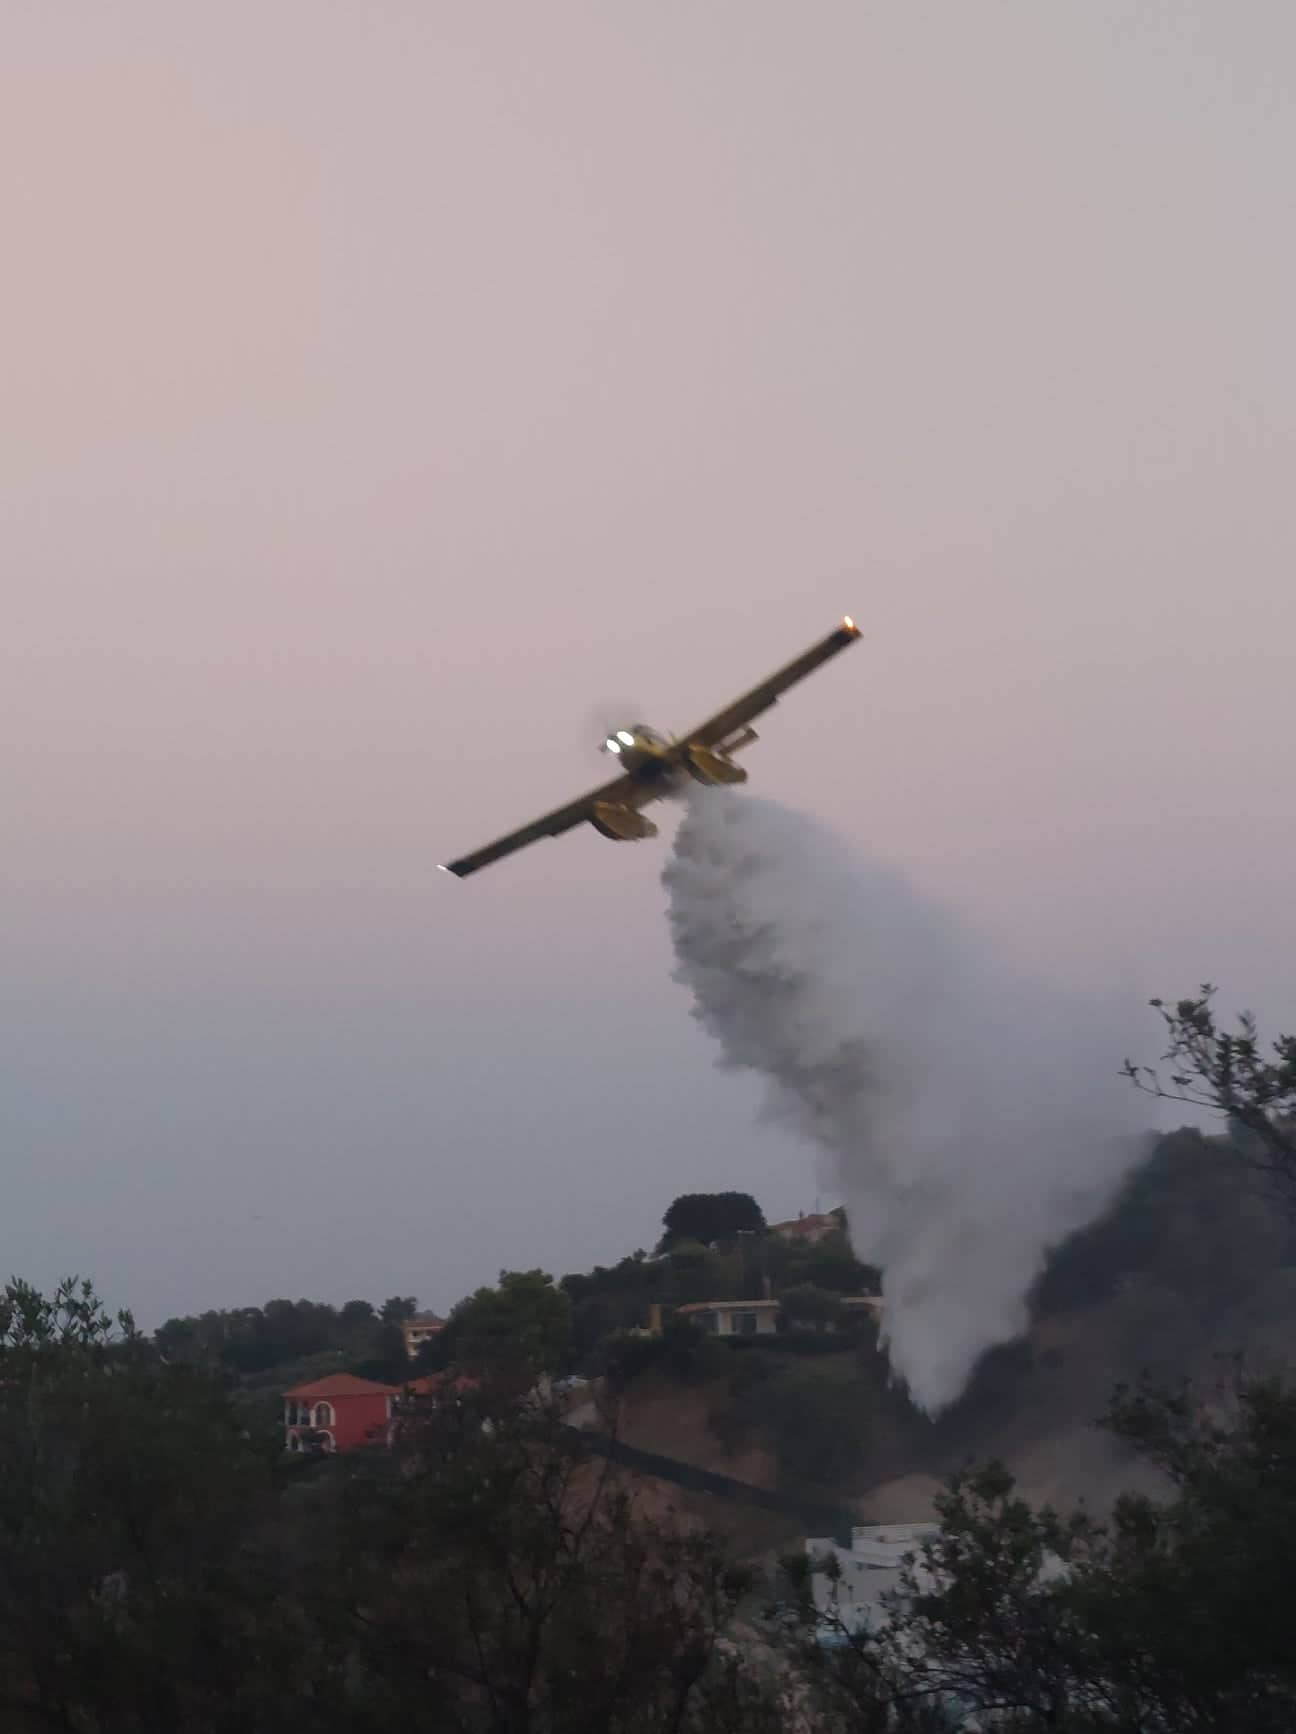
717,729
625,791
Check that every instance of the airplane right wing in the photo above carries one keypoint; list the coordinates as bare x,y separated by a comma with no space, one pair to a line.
625,791
717,729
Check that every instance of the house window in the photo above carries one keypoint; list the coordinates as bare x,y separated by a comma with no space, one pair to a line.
707,1322
323,1414
744,1324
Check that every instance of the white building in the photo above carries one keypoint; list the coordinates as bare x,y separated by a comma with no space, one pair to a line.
867,1570
873,1566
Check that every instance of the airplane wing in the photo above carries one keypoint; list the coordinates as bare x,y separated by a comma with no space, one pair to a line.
718,728
625,791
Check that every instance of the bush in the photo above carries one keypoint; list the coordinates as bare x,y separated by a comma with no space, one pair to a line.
817,1427
801,1342
682,1351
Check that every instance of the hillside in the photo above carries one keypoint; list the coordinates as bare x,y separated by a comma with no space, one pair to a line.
1190,1263
1189,1268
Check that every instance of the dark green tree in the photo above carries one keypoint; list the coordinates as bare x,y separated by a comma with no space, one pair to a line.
356,1316
498,1581
130,1506
711,1216
514,1332
808,1307
161,1574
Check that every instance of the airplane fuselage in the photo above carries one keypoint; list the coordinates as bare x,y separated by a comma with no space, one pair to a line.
650,758
642,753
650,766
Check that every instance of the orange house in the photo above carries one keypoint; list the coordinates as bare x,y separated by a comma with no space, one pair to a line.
342,1412
339,1413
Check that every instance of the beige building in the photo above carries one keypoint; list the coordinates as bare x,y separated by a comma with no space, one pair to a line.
418,1329
807,1230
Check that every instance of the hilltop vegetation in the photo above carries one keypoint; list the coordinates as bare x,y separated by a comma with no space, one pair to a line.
1190,1259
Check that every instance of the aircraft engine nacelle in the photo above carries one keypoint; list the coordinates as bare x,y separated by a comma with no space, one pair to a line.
709,767
622,824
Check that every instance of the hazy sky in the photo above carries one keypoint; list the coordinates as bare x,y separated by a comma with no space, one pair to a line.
383,387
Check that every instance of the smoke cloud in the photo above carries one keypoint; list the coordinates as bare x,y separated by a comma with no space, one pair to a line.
968,1117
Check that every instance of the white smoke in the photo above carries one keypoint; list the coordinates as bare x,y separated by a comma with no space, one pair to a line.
968,1117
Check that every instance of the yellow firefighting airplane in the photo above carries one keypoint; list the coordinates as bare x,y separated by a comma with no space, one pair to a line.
652,765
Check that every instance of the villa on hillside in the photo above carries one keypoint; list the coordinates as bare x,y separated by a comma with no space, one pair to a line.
420,1328
342,1412
337,1413
761,1318
807,1230
740,1318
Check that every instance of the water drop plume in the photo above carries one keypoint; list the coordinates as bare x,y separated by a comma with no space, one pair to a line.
968,1116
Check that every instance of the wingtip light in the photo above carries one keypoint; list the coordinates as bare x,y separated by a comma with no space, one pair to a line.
849,624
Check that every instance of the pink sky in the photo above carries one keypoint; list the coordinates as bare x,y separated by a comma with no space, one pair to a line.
382,388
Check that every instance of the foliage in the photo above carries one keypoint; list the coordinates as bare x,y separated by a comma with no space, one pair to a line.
813,1308
828,1263
1232,1072
1188,1249
163,1568
515,1586
682,1352
710,1217
1172,1615
514,1332
72,1318
246,1341
158,1571
816,1424
126,1503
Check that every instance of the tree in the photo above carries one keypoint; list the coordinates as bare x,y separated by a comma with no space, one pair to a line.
159,1570
499,1581
129,1504
1231,1072
356,1316
398,1307
514,1332
829,1263
818,1427
249,1341
1171,1615
808,1307
711,1216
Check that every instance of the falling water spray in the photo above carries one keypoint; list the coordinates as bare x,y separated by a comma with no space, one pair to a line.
968,1117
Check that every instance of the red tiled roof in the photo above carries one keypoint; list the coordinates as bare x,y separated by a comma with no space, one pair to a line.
431,1382
342,1385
